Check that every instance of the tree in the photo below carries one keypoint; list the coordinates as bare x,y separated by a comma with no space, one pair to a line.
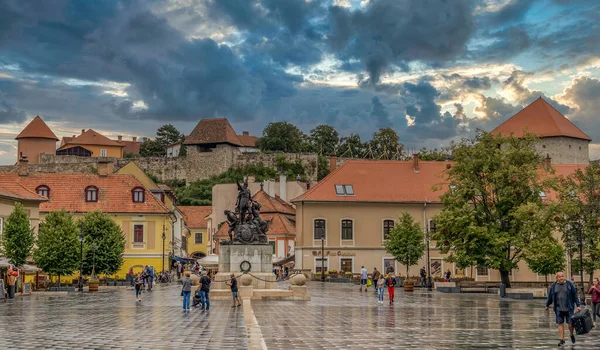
151,148
283,137
324,140
385,144
101,232
545,256
322,168
166,135
57,250
17,239
406,241
580,210
445,153
351,146
492,182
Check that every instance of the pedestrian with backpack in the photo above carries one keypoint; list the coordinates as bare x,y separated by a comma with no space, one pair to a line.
563,295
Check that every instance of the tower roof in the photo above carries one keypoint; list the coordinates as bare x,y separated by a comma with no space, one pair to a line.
541,119
37,129
213,131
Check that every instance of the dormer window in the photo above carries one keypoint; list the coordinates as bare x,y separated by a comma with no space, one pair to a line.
91,194
137,195
344,190
43,190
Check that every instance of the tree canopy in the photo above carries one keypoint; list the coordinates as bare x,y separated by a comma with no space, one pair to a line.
101,232
324,140
385,145
545,256
17,238
351,146
406,241
166,135
283,137
57,250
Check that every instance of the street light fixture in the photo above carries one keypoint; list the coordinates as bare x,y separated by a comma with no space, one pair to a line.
323,257
80,284
430,228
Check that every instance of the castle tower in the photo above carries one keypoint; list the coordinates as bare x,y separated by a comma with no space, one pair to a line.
36,138
560,139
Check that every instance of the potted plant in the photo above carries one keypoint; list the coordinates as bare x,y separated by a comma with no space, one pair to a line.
93,282
333,274
407,244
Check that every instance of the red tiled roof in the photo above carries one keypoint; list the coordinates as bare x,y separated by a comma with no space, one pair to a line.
131,147
248,140
65,140
212,131
37,129
279,224
273,204
91,137
114,193
11,188
542,119
195,216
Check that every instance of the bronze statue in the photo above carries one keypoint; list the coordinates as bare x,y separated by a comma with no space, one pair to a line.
242,204
255,211
246,230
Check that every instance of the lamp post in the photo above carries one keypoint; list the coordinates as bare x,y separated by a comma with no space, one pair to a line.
580,243
164,236
80,284
323,257
430,228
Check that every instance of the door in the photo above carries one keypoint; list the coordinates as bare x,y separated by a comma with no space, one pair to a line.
280,248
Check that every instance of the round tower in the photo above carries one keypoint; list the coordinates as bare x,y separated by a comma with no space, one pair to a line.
35,139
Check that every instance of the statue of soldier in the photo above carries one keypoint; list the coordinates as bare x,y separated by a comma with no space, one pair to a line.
242,205
255,211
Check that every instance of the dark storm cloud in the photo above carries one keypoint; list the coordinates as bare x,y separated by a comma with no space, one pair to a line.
379,113
8,114
392,32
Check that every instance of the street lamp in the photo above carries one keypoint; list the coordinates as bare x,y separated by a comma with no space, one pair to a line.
164,236
80,285
580,243
323,257
430,228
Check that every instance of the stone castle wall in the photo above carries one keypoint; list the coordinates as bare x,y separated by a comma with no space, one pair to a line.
564,150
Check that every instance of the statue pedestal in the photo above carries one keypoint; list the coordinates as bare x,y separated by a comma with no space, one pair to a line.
259,257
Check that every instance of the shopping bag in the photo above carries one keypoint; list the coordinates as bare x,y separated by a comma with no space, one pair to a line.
369,283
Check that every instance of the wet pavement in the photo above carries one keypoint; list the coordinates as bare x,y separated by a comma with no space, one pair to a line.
337,317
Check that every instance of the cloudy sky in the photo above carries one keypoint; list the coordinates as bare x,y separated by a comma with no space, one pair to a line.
434,70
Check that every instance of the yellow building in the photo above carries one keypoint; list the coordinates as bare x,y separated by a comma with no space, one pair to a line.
196,230
144,220
90,144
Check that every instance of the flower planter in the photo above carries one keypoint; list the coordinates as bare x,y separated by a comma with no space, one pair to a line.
409,286
93,286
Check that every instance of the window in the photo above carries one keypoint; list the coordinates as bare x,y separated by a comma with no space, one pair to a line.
346,229
344,190
319,229
569,146
346,265
160,196
387,226
272,243
198,237
138,233
137,195
2,226
542,195
543,146
580,148
388,265
43,190
102,153
91,194
321,263
482,271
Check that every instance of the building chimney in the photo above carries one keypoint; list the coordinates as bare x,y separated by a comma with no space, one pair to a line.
283,187
23,168
548,160
416,162
245,133
82,131
105,168
251,179
332,163
120,138
74,136
134,138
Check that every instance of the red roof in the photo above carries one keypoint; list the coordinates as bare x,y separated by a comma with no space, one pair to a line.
195,216
37,129
381,181
248,140
91,137
131,147
114,193
541,119
12,189
212,131
273,204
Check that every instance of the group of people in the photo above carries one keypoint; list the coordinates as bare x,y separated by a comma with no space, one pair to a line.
380,282
202,295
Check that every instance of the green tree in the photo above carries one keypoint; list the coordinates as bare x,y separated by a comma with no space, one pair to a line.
283,137
545,256
57,250
322,168
351,146
406,241
492,181
385,144
151,148
580,210
324,140
166,135
17,239
445,153
103,233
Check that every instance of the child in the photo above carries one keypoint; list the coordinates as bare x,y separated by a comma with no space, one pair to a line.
234,290
390,282
138,287
380,292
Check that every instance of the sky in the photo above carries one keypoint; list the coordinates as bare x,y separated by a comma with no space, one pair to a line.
433,70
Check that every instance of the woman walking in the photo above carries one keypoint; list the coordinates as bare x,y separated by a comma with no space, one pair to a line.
186,290
138,287
595,292
390,282
380,292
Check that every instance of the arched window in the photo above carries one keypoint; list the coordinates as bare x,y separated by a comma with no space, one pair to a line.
91,194
43,190
388,225
137,195
347,229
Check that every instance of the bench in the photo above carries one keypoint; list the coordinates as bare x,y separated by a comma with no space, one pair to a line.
473,288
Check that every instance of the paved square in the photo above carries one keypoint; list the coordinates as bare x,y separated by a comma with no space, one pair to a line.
337,317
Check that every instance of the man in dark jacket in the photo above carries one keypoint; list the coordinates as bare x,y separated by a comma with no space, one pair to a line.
204,289
563,295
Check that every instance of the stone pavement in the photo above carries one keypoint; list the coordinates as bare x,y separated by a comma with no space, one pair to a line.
337,317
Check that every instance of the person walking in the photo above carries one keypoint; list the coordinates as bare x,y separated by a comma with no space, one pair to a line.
364,275
186,290
447,276
563,295
390,282
150,277
595,292
376,275
423,274
178,269
13,274
204,289
379,286
137,281
234,290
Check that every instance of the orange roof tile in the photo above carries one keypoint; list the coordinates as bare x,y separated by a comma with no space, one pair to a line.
542,119
65,140
91,137
114,193
248,140
12,189
131,147
275,204
212,131
195,215
37,129
381,181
